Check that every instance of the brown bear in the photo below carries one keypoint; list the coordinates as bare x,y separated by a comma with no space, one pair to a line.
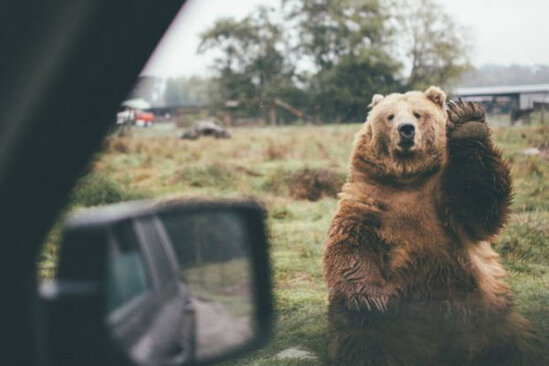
407,260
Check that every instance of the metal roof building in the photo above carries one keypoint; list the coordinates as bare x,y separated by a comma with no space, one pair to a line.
523,96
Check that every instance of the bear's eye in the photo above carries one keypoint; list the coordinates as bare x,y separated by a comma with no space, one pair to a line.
417,115
391,117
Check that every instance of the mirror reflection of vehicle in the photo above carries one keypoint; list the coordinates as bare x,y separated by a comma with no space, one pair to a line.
149,309
214,256
183,282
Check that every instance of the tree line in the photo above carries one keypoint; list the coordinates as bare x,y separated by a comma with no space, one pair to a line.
497,75
328,57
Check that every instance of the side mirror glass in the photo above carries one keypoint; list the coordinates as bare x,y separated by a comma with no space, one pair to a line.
215,261
182,282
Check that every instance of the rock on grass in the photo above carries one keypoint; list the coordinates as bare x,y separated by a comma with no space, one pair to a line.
295,353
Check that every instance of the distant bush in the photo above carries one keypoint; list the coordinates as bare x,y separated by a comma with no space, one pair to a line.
312,184
274,151
97,189
307,183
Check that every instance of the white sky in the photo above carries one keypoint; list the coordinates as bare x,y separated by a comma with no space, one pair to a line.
504,31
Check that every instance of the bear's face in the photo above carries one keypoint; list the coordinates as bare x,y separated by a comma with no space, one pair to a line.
404,135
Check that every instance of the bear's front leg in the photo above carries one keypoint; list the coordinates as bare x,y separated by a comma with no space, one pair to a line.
355,271
355,267
476,185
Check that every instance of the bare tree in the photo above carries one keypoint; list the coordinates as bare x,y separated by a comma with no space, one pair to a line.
434,48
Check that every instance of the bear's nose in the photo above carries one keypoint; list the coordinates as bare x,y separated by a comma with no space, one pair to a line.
407,131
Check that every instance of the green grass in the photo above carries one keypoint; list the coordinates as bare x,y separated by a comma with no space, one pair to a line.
264,163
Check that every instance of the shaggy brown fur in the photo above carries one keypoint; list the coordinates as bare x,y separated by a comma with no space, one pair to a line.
412,277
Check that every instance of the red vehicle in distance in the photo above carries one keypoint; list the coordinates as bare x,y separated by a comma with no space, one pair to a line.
144,119
135,117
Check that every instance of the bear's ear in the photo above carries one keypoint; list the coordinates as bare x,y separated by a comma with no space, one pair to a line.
436,95
375,100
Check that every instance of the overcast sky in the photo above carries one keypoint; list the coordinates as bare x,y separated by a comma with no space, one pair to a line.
504,31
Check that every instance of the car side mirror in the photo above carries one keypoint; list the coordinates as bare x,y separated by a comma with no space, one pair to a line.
148,283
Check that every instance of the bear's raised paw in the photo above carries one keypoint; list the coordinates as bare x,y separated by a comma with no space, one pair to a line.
466,120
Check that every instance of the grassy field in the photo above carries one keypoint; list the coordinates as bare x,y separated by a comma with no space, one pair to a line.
296,172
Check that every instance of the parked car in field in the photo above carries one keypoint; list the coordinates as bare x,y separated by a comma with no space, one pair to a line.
135,117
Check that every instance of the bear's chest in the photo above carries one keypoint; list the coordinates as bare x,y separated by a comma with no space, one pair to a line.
423,255
411,220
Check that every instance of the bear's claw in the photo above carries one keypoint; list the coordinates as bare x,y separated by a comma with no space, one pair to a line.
466,120
364,302
461,112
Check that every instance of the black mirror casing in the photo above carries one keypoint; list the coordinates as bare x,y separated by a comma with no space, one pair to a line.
72,308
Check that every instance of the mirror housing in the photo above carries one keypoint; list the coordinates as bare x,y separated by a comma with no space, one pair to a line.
75,308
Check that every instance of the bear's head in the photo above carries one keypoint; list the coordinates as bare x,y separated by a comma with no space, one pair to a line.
404,136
